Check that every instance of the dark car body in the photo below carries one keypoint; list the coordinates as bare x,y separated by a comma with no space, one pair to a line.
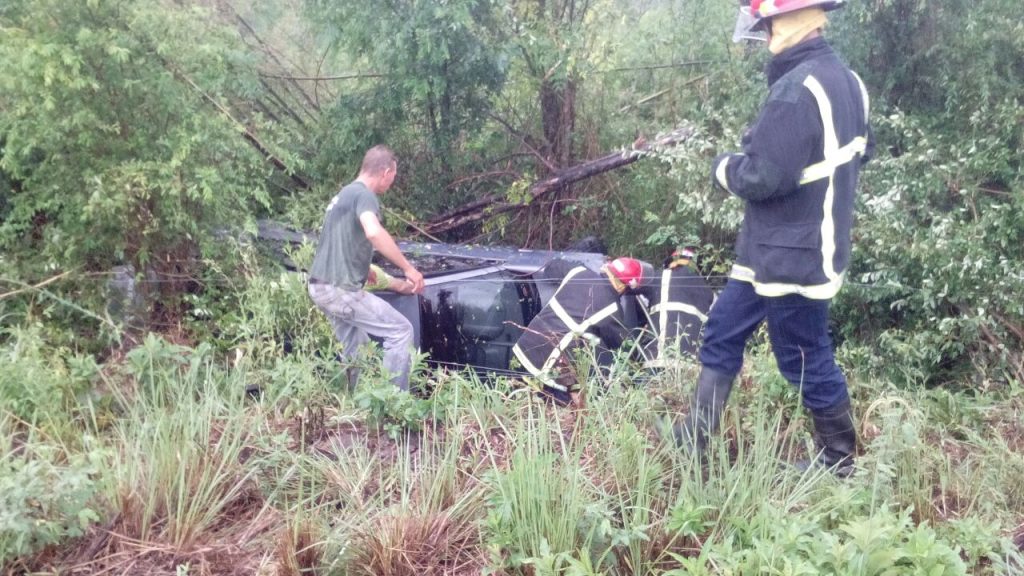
477,299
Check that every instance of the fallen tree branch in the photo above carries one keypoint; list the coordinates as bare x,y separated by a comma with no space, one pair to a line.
645,100
496,204
995,342
663,66
1017,331
351,76
412,225
27,287
282,104
661,93
38,288
269,51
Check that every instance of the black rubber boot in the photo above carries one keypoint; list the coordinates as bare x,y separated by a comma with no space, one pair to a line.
709,400
560,397
835,438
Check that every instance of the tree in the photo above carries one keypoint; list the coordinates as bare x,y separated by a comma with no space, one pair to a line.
438,65
934,56
119,136
552,39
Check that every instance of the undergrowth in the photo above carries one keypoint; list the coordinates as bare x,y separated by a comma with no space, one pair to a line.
161,462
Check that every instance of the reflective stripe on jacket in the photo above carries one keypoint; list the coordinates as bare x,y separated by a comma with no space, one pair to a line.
585,308
677,307
798,173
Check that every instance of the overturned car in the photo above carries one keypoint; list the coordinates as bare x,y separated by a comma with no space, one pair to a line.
479,299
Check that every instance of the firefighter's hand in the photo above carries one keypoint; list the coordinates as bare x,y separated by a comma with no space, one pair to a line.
415,278
748,135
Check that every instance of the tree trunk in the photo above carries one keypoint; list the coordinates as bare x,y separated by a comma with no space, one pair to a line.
558,118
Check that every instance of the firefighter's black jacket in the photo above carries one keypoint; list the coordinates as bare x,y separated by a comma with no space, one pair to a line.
676,303
798,174
584,308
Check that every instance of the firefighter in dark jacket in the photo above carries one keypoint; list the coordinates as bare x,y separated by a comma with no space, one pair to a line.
676,303
798,175
586,310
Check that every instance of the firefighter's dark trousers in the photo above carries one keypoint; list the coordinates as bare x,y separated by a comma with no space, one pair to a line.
798,330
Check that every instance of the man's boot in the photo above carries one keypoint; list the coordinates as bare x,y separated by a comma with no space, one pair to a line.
709,400
835,438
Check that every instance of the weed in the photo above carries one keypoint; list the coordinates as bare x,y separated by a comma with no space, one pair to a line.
388,407
44,386
45,498
180,447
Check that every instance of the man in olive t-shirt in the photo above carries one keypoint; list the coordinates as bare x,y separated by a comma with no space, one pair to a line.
350,234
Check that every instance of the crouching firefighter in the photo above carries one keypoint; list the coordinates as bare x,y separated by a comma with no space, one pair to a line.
797,175
676,304
585,312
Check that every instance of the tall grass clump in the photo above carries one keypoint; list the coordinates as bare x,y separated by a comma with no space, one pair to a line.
901,472
274,314
179,444
430,523
633,481
411,505
536,501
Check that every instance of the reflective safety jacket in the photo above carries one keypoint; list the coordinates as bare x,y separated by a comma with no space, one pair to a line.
676,303
798,174
585,309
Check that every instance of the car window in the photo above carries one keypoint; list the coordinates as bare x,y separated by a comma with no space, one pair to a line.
476,321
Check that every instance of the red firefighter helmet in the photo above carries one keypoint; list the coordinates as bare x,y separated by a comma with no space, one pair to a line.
750,21
629,271
769,8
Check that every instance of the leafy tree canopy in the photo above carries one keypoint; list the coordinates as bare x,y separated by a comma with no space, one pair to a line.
116,133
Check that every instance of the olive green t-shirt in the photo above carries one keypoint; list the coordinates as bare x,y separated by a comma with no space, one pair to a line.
343,253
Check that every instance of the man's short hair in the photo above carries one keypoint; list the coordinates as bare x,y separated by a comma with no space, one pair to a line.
377,160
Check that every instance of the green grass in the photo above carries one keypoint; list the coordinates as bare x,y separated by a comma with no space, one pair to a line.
162,465
178,466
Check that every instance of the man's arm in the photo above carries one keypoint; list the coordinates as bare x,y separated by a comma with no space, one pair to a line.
379,280
385,245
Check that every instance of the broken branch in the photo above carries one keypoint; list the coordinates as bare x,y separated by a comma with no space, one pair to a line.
496,204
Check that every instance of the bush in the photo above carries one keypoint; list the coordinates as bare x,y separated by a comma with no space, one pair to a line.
40,384
44,500
116,146
936,275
